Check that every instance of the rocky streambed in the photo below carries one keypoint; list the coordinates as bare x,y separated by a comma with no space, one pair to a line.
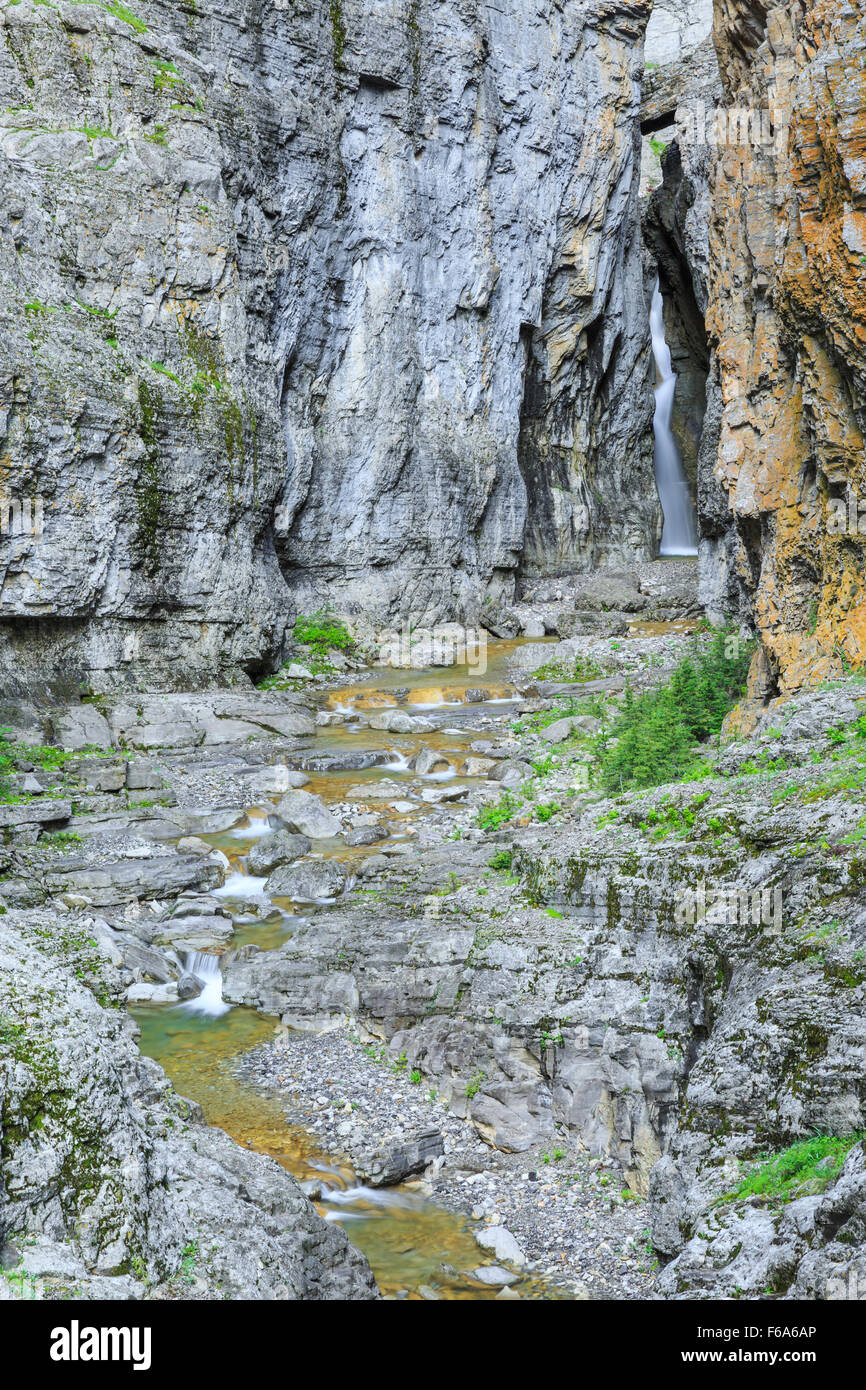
517,1038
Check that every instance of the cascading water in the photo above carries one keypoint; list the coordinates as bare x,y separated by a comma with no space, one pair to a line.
206,968
679,536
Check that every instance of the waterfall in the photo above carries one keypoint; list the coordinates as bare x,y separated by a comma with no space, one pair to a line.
207,969
679,534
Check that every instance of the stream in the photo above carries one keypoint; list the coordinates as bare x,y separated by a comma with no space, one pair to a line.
410,1241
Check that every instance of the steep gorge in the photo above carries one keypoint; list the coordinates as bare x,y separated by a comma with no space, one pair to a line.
312,303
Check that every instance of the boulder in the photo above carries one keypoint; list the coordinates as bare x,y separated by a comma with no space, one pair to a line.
500,621
366,835
612,593
306,814
272,850
501,1243
387,1166
428,760
307,881
191,844
194,933
477,767
590,624
510,772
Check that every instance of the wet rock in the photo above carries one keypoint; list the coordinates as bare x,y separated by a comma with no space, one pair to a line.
386,1167
272,850
494,1276
366,835
194,933
502,1244
189,987
307,881
429,760
306,814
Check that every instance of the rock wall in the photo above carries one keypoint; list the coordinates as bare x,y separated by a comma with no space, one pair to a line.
339,301
787,324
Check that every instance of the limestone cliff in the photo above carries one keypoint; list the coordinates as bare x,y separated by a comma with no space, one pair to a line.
787,322
311,301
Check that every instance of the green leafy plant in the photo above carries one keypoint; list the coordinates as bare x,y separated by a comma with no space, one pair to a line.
322,632
805,1168
492,817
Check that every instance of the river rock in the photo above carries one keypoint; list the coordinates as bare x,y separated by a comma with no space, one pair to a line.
396,722
189,987
493,1275
502,1244
270,781
386,1167
429,760
191,844
306,814
272,850
366,835
307,881
510,772
194,933
589,624
477,767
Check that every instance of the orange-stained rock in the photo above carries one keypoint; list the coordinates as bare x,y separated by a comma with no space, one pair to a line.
787,322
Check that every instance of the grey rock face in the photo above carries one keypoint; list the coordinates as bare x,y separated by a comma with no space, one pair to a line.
108,1177
359,315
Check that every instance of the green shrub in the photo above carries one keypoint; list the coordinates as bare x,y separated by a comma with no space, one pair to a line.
805,1168
657,730
500,860
491,817
322,632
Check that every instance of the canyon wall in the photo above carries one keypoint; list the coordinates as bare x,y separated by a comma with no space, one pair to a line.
785,489
310,302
